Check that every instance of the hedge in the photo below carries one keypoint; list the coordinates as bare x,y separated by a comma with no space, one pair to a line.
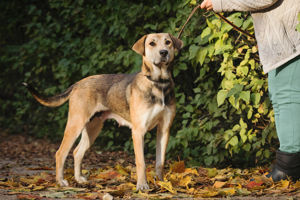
223,116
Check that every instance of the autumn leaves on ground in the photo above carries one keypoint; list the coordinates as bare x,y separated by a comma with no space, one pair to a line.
27,170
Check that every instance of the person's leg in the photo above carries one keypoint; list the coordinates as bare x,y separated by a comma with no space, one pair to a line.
284,88
287,92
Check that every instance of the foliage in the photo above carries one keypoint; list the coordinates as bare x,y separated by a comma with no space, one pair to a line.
179,182
224,114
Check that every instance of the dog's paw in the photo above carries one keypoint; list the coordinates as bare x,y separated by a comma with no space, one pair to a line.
81,179
142,187
63,183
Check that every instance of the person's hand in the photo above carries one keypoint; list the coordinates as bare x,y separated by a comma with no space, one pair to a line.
207,5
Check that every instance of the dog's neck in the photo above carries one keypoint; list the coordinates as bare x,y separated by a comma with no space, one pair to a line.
157,74
160,80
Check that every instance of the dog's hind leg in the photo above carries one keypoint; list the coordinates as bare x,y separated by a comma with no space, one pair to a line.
89,134
72,131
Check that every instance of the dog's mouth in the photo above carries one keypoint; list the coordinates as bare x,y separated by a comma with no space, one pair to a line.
161,61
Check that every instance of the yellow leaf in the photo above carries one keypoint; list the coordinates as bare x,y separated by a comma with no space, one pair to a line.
185,182
167,185
191,191
99,186
121,170
150,177
210,194
126,186
9,184
150,196
190,171
39,188
227,192
284,184
297,185
219,184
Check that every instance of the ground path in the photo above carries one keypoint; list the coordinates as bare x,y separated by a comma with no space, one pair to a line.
26,172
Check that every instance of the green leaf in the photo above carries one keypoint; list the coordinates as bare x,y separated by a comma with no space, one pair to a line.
255,98
235,90
205,32
176,72
80,2
243,136
236,127
189,108
247,147
258,153
222,94
245,95
266,153
182,66
193,51
234,141
201,56
243,124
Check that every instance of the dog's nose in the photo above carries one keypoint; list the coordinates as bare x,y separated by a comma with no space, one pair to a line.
163,53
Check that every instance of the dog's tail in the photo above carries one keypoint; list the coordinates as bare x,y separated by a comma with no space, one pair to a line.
50,101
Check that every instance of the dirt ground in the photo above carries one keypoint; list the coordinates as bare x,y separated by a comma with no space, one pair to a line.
18,153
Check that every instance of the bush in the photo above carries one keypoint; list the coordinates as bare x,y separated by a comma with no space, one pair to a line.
224,115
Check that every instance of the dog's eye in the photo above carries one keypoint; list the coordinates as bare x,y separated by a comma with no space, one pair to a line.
168,42
152,44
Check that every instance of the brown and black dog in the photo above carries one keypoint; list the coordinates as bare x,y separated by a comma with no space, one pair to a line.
140,101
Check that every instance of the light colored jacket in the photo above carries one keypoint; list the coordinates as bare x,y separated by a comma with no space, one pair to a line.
274,24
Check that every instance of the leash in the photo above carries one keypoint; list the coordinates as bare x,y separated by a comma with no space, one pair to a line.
222,17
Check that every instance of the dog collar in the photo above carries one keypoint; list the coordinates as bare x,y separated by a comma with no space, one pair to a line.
160,80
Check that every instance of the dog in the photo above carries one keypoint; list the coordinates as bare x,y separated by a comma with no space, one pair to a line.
141,101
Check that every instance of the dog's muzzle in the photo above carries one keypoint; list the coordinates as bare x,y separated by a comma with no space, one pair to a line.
165,57
164,53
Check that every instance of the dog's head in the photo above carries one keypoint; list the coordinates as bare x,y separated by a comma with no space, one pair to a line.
158,52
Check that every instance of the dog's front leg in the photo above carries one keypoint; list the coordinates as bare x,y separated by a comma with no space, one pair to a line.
138,143
162,140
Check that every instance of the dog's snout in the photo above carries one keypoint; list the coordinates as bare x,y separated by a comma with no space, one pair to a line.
163,53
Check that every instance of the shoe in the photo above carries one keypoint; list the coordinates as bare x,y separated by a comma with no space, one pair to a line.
287,165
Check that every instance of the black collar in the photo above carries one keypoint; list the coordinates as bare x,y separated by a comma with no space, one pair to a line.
160,80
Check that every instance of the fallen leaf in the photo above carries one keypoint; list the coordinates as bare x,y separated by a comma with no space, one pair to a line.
252,184
9,184
178,167
185,182
284,184
167,185
219,184
121,170
190,171
227,192
150,196
212,173
297,185
242,191
109,174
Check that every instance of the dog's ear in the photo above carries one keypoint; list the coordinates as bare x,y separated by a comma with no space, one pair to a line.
177,42
139,46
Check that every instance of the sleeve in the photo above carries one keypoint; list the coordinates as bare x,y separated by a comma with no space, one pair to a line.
241,5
